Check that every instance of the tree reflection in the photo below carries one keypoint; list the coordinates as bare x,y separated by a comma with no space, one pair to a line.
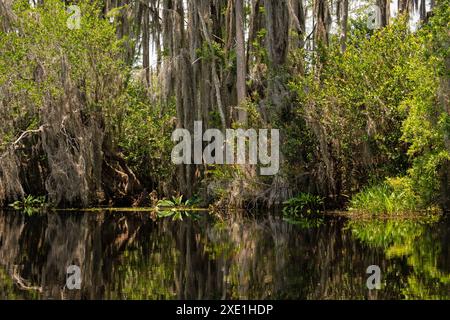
129,256
422,245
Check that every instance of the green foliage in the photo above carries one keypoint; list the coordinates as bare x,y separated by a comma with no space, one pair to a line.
178,215
359,29
300,143
414,241
372,112
30,204
353,104
394,196
375,112
305,223
304,204
177,209
96,67
144,133
259,50
31,58
177,202
426,128
254,117
383,234
210,52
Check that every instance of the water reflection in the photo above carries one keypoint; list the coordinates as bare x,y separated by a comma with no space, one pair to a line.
423,245
130,256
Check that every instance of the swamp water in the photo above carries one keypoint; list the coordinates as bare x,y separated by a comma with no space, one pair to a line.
128,255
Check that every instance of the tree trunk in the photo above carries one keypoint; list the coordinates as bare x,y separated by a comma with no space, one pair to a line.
146,45
385,11
255,25
323,22
404,7
297,23
423,10
277,23
240,63
277,43
344,25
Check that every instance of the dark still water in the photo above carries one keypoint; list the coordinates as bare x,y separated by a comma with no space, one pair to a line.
129,256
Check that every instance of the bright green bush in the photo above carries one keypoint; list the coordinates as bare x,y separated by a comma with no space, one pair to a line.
394,196
351,102
376,111
426,128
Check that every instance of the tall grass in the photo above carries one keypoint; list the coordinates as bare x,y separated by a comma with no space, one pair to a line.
395,196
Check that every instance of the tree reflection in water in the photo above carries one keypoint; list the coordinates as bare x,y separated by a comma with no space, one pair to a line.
423,246
130,256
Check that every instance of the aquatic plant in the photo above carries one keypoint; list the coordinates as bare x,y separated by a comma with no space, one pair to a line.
304,204
178,215
30,204
302,211
178,209
178,202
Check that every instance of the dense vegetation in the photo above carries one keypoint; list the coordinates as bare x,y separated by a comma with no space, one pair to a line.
88,112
